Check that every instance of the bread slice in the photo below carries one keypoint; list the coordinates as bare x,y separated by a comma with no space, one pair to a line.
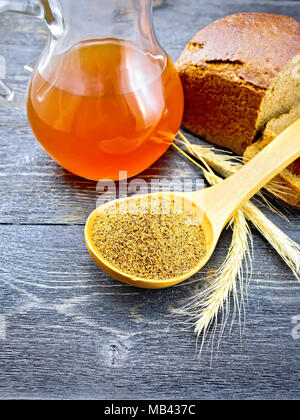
238,73
289,179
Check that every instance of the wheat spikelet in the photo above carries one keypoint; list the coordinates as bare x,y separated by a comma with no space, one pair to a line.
229,280
227,164
207,305
288,250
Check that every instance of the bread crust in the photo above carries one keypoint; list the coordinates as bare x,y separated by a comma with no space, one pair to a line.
226,71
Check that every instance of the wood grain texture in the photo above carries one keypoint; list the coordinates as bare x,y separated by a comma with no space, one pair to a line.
69,331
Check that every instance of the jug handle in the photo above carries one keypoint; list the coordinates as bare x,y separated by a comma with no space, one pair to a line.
41,9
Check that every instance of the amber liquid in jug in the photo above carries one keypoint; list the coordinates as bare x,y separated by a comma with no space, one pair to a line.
105,106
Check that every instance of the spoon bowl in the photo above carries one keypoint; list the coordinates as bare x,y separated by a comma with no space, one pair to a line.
215,206
157,283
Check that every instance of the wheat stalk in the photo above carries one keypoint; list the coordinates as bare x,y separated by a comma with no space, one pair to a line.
216,298
288,250
207,305
227,164
229,280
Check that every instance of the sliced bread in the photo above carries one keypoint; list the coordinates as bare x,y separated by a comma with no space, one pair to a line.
238,73
288,180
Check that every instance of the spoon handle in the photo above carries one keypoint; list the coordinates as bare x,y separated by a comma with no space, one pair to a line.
226,198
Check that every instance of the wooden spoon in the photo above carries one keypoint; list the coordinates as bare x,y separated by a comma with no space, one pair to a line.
218,204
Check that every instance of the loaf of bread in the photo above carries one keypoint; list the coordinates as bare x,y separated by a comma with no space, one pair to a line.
238,73
289,179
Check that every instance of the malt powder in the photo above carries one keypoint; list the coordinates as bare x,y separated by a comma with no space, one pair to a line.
154,241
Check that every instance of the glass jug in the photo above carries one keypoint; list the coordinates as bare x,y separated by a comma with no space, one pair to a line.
104,97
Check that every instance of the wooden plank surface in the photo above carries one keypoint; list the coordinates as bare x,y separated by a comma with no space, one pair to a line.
69,331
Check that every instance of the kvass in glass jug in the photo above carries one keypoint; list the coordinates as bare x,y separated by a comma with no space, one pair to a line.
104,97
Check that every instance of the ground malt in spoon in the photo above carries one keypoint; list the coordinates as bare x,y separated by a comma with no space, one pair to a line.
160,240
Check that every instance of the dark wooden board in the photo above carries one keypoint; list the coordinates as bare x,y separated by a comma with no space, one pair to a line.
69,331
